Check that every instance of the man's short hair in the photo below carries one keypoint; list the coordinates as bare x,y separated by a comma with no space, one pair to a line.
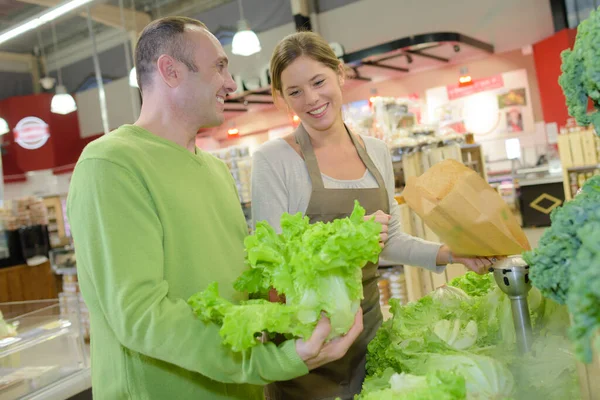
163,36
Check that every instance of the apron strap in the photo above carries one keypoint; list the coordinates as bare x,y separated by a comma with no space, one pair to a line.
308,153
362,153
310,159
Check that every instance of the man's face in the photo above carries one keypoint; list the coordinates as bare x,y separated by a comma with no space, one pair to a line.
202,94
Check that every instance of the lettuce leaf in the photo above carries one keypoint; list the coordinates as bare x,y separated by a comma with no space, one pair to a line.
434,386
317,267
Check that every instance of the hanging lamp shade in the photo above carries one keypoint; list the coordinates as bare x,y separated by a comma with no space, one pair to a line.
62,102
133,78
245,42
3,127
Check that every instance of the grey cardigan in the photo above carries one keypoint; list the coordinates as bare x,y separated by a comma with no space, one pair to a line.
280,183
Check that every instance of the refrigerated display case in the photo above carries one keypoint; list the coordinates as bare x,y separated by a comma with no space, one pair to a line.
45,357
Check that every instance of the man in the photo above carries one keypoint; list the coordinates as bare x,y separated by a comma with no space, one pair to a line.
155,220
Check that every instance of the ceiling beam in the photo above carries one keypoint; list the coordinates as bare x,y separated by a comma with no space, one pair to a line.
410,42
16,57
81,49
15,62
105,14
426,55
21,63
190,7
378,65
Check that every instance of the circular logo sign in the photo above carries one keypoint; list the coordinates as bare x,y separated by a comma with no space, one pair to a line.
31,133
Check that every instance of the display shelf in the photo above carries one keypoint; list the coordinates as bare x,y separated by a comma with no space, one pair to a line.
33,337
46,358
56,221
540,181
65,388
584,168
578,152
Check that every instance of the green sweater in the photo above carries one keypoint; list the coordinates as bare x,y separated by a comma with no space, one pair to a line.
153,224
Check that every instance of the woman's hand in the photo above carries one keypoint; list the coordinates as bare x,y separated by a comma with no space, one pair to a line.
316,352
384,220
479,265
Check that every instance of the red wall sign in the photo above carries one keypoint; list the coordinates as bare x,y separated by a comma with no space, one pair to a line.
479,85
31,133
38,138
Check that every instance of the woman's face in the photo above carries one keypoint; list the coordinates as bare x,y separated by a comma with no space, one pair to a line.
313,91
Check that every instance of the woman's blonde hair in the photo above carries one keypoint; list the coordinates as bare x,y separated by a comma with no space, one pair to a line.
299,44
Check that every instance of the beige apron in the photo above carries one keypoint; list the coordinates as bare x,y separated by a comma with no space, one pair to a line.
342,378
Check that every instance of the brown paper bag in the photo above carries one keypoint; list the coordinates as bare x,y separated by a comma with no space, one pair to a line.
465,211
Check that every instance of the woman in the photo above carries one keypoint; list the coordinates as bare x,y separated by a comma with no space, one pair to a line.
320,170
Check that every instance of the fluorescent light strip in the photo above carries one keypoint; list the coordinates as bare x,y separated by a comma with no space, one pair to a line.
41,19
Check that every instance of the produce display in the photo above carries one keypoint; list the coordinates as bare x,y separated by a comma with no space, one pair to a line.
460,340
580,79
438,385
317,267
6,329
565,265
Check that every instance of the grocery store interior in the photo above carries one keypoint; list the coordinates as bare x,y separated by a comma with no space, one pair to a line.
475,81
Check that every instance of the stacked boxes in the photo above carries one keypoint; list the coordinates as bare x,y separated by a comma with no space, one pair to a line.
22,212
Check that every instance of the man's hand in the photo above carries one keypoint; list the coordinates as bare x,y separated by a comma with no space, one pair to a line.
316,353
384,220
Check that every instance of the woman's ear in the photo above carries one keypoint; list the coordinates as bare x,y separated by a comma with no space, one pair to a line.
341,74
280,102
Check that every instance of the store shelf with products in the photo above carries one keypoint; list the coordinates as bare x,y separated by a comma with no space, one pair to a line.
25,238
64,265
579,156
392,285
57,228
418,281
44,356
239,162
578,175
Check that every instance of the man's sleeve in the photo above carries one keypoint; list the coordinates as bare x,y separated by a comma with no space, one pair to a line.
119,244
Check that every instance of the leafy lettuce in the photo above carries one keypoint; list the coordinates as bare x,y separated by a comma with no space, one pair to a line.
434,386
564,265
473,336
317,267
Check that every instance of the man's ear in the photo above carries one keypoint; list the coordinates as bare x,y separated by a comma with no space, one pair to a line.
169,71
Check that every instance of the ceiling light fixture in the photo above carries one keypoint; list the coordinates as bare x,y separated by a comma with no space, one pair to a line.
40,19
133,82
62,102
3,126
245,42
464,79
